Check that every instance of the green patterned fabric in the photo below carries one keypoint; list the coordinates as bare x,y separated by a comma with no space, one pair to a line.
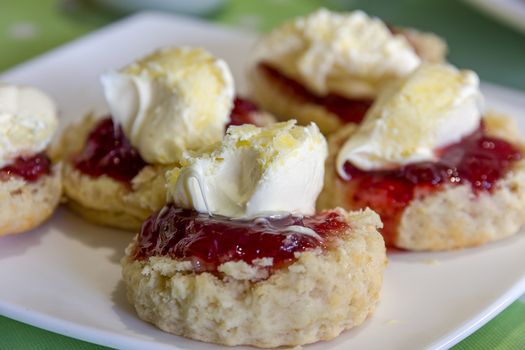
505,332
497,53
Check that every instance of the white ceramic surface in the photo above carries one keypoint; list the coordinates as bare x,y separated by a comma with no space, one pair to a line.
65,276
510,12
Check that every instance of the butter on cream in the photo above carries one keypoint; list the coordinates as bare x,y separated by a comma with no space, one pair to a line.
171,101
350,54
254,172
28,120
435,106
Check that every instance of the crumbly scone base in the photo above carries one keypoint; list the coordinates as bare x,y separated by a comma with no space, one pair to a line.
453,217
315,298
25,205
102,199
285,106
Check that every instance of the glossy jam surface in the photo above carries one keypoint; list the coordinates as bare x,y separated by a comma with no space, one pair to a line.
108,152
210,241
242,112
348,110
478,160
29,168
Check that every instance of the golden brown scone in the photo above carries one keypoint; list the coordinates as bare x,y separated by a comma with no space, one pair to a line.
285,106
316,298
25,205
104,200
453,217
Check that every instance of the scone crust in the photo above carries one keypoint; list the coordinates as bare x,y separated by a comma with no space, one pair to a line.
284,106
25,205
453,217
103,200
316,298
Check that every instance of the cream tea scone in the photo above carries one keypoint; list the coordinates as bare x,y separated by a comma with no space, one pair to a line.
30,184
440,171
328,67
239,256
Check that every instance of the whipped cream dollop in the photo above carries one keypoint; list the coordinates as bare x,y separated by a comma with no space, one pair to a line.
28,120
435,106
254,172
350,54
171,101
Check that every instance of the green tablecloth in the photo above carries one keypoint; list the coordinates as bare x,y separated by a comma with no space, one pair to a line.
497,53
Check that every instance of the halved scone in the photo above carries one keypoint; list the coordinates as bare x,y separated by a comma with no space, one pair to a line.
307,291
241,257
328,67
463,193
30,184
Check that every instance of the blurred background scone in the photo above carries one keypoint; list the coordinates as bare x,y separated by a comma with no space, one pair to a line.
30,185
441,173
328,67
241,256
169,103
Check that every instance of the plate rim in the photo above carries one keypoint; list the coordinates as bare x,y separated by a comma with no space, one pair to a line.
502,11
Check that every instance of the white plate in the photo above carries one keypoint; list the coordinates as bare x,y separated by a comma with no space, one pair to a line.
65,276
510,12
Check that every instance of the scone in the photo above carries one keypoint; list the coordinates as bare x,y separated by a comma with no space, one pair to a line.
240,257
30,185
173,101
105,179
328,67
440,172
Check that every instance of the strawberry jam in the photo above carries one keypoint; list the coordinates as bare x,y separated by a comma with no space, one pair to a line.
242,112
108,152
208,241
478,160
29,168
348,110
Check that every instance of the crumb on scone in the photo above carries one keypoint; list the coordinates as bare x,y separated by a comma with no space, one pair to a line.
24,205
315,298
452,217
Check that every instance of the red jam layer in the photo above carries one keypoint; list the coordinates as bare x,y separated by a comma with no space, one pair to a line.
108,152
29,168
209,241
242,112
478,160
348,110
